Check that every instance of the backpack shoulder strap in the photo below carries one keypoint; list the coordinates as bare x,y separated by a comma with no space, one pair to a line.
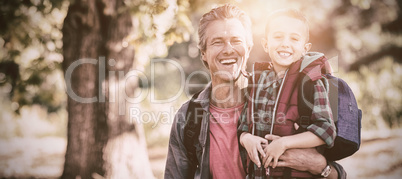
306,98
192,129
305,102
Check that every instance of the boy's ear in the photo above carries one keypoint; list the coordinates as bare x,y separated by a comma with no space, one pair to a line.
264,43
307,47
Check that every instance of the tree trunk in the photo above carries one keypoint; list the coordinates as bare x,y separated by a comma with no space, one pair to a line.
102,141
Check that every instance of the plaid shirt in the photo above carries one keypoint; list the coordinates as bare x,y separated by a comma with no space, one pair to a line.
266,93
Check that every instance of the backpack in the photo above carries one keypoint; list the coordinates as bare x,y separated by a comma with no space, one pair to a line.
346,114
192,131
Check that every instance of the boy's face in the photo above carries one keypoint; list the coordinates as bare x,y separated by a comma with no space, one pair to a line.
286,41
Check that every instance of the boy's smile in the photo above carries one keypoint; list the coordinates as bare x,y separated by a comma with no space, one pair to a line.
284,53
286,41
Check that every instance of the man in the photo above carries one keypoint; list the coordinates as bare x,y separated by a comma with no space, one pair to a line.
225,41
225,44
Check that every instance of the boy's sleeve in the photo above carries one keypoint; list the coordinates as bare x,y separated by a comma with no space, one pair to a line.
322,122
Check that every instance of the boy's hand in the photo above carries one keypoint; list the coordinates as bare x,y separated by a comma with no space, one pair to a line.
253,145
274,150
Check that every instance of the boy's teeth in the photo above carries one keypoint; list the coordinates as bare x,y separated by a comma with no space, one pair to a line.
228,61
284,54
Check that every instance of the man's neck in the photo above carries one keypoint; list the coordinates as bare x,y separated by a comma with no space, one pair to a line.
226,95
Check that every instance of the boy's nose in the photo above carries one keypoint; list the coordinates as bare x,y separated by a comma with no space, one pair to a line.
285,42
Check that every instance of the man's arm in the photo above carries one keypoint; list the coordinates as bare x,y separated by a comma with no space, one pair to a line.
312,161
280,144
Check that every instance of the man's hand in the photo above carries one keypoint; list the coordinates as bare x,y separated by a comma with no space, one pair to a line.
303,160
253,145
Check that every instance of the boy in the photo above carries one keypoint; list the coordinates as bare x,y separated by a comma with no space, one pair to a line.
275,99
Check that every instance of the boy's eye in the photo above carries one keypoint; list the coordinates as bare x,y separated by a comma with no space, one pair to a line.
295,39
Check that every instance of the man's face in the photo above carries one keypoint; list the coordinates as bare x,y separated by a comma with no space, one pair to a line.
286,41
226,49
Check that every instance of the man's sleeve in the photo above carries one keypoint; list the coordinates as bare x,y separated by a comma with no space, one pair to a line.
322,122
341,172
177,163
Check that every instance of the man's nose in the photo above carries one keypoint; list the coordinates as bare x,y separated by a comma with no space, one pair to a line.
228,48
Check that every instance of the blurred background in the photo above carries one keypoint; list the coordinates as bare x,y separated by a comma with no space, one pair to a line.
362,39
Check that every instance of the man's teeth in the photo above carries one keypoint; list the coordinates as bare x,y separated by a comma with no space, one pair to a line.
226,61
284,54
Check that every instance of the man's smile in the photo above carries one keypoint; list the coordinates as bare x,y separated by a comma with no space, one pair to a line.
228,61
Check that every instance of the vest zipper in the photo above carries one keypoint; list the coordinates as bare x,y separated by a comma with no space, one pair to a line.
252,102
276,103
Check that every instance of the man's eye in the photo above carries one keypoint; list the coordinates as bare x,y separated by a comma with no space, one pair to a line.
277,37
217,43
237,42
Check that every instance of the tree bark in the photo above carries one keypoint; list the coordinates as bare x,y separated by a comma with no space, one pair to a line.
102,141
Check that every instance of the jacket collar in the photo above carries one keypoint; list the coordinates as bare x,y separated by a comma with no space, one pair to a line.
204,97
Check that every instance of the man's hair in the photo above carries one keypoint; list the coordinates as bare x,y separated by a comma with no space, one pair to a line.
288,12
226,11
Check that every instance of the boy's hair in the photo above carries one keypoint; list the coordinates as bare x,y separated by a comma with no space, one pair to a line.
288,12
226,11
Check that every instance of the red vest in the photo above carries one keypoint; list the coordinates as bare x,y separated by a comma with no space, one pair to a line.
287,110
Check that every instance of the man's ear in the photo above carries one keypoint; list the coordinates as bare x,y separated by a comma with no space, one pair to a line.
203,56
204,60
307,47
264,43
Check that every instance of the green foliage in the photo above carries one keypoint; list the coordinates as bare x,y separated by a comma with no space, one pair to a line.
143,14
154,18
181,26
378,89
31,43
